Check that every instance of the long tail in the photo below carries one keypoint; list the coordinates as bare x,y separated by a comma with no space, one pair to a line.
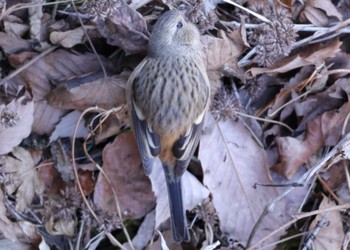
177,213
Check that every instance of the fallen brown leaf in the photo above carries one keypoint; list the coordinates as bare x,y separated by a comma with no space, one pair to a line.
122,165
90,90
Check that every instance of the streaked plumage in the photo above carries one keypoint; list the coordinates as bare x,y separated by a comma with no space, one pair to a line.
168,95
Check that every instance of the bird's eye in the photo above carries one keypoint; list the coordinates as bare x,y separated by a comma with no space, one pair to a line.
179,25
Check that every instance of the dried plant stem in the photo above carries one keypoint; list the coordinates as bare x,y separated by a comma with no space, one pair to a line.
22,6
261,17
296,27
90,42
108,234
265,120
296,218
321,34
333,156
283,240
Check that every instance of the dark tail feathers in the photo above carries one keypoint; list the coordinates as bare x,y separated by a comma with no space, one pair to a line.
177,213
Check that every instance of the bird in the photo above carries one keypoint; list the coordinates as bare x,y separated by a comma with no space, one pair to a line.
168,97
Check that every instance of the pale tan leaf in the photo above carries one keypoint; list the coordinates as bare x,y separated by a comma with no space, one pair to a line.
232,162
70,38
22,178
16,121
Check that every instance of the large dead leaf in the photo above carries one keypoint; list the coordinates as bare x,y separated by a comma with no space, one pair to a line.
16,121
330,232
58,65
122,165
314,55
21,178
88,91
194,193
232,163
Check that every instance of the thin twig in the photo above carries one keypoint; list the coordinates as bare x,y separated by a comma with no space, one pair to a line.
334,154
265,120
296,218
261,17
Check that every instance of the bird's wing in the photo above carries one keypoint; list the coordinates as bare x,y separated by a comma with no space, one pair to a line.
148,142
185,146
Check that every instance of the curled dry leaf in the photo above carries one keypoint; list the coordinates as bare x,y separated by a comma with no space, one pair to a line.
70,38
319,12
90,90
230,173
329,233
122,165
293,152
21,178
314,55
35,14
124,27
16,121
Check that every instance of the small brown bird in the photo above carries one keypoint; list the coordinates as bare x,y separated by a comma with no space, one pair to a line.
168,95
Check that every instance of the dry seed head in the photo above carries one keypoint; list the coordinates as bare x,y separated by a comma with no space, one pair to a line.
274,40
